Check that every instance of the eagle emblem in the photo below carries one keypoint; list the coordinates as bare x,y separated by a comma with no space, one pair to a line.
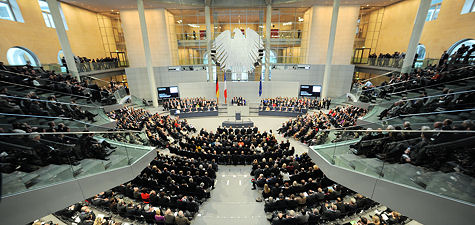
239,54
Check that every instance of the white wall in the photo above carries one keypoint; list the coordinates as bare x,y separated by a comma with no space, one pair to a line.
284,82
158,36
340,78
320,31
312,76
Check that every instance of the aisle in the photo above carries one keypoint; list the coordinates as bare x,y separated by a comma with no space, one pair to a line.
232,202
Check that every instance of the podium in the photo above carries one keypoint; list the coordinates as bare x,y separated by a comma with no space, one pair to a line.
233,109
238,122
237,116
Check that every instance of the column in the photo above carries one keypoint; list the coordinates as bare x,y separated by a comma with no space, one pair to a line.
208,42
267,47
415,36
148,54
331,42
63,38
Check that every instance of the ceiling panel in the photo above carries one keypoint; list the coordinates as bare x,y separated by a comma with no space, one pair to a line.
109,5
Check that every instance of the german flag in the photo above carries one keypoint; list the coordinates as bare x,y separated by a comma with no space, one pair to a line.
217,90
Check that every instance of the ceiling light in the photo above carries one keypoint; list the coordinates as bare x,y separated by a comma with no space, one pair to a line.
193,25
179,21
300,19
287,24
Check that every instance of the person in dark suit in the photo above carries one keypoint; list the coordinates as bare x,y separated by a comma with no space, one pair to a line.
443,58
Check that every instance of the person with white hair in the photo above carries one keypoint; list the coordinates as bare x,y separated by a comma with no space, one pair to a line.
180,219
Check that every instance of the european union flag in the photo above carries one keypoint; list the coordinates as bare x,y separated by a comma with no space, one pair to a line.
260,87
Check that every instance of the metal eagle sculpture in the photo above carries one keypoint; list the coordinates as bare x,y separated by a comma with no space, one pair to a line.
239,54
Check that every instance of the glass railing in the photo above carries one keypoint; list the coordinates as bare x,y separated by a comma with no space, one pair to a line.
398,61
54,67
381,62
437,161
94,66
137,102
38,159
86,66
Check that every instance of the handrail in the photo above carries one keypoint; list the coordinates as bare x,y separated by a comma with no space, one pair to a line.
42,100
129,145
40,78
433,85
429,123
384,74
388,85
42,89
430,113
95,78
16,146
73,132
35,116
57,143
97,66
404,131
52,117
432,96
40,125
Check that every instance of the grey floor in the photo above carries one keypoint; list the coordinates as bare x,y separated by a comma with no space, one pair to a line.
232,202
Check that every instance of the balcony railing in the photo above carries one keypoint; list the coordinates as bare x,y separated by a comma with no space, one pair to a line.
85,67
94,66
71,162
439,175
397,62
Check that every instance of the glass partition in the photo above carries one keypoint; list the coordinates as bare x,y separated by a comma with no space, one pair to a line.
287,30
36,156
438,161
94,66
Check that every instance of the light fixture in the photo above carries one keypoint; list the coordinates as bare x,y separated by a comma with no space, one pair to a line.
300,19
179,21
193,25
287,24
